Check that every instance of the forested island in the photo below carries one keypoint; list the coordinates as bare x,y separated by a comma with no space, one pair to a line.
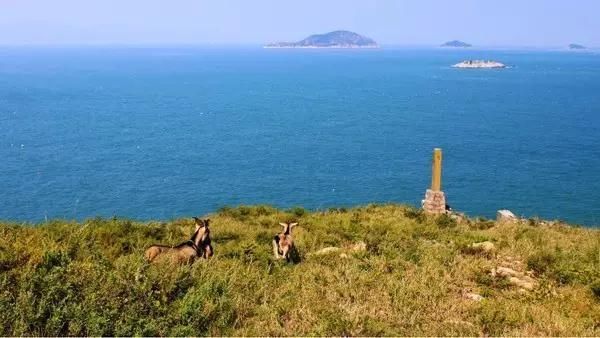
456,44
576,46
335,39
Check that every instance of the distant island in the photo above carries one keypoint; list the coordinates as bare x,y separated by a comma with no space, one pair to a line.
456,44
479,64
576,46
335,39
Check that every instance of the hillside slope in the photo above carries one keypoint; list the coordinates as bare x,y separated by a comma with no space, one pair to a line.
417,275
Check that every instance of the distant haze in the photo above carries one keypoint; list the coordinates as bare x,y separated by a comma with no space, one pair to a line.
541,23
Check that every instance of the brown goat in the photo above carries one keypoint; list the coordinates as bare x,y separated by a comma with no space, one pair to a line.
185,253
283,243
204,244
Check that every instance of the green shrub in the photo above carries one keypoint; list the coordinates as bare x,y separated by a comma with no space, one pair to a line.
497,321
483,277
416,214
482,224
564,267
337,210
445,221
297,211
541,262
244,212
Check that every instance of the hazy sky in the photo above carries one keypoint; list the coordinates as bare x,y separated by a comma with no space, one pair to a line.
404,22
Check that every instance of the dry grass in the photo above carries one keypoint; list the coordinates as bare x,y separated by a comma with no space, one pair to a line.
66,278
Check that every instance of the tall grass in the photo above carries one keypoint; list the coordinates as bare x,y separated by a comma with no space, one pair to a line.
89,278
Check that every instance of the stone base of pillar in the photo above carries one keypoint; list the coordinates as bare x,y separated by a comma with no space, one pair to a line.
434,202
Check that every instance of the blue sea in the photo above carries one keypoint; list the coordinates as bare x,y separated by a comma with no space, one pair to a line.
166,132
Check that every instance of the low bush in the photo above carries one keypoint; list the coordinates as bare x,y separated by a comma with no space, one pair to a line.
541,262
445,221
482,224
416,214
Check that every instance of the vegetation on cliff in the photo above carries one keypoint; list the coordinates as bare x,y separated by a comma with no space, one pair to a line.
389,270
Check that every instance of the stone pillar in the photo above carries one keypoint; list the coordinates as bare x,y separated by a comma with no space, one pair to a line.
435,200
436,170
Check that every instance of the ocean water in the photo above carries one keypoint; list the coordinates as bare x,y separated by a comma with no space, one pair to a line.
158,133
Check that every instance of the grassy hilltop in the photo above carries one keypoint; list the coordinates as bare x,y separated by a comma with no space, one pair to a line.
417,275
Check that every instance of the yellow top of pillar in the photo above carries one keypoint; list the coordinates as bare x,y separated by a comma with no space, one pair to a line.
436,175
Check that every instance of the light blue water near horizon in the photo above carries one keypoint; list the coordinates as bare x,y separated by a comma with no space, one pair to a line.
160,133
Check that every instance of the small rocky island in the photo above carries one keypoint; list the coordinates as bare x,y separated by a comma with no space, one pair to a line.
479,64
456,44
335,39
576,46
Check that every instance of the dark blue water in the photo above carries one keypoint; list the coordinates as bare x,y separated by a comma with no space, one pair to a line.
156,133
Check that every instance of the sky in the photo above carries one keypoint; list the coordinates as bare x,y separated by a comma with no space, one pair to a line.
535,23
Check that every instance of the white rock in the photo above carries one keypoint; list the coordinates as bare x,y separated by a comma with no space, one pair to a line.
474,296
359,246
524,283
504,272
356,247
515,278
505,216
479,64
327,250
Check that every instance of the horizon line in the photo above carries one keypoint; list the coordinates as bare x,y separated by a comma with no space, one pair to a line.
262,44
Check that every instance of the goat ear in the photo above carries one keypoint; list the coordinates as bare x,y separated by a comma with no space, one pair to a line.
293,224
206,222
197,220
283,224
